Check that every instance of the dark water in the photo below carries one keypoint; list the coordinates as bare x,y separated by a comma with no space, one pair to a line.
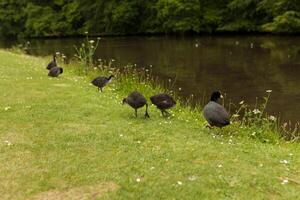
243,67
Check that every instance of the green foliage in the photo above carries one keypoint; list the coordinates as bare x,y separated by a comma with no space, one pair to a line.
179,15
122,17
242,16
289,22
46,21
39,20
284,16
63,17
12,18
212,19
278,7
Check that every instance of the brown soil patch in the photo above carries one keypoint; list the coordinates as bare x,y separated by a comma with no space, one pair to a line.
78,193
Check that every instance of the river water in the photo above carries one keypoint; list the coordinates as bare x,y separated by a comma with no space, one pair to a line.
243,67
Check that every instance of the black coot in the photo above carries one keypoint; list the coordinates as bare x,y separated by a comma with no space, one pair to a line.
52,63
136,100
163,102
102,81
55,71
214,113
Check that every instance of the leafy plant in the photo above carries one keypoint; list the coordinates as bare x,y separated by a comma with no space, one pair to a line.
262,125
85,52
23,48
290,132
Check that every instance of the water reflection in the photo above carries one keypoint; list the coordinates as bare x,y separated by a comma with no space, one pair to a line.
242,66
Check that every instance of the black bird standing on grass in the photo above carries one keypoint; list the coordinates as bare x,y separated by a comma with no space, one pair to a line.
136,100
163,102
214,113
52,63
102,81
55,71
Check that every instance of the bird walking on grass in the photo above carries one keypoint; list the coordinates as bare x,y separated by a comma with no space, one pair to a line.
163,102
52,63
136,100
102,81
214,113
55,71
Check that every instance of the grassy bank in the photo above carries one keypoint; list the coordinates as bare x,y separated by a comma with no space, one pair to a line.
60,138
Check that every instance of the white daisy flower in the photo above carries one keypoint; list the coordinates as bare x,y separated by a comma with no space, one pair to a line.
7,108
256,111
192,178
284,181
272,118
8,142
284,162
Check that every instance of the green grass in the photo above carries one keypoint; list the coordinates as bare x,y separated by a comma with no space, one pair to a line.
69,141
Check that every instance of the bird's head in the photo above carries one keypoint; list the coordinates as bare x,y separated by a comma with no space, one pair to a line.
216,95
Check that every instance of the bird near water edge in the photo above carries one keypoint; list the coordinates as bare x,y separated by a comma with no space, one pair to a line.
101,81
163,102
214,113
55,71
52,63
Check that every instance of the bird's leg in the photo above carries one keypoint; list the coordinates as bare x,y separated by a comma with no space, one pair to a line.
146,113
101,89
162,112
209,126
166,112
135,112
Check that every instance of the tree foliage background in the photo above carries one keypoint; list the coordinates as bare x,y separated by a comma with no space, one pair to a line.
36,18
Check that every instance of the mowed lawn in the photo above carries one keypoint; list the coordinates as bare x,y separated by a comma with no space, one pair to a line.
61,139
